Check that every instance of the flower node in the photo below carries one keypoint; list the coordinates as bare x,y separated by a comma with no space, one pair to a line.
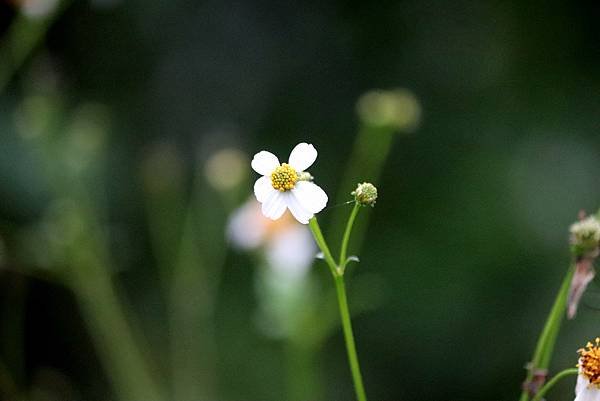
365,194
589,362
284,177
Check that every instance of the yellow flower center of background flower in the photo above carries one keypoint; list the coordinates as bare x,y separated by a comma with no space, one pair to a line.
589,362
284,177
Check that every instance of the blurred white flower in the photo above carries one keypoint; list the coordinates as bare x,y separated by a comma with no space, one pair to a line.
283,286
287,186
588,379
289,247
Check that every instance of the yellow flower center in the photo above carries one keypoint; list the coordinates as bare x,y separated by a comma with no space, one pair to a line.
589,362
284,177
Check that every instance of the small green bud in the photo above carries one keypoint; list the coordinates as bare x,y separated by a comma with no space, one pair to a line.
585,236
365,194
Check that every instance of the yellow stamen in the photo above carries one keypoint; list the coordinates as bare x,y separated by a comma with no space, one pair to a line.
589,362
284,177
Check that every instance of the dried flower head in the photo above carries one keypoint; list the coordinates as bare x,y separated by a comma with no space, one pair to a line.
585,236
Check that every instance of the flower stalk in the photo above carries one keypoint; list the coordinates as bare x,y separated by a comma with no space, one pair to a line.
346,239
337,271
545,345
349,339
552,382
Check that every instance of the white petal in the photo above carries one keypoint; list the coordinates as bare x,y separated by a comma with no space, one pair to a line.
263,188
274,206
265,162
583,390
310,196
298,211
582,382
303,156
588,393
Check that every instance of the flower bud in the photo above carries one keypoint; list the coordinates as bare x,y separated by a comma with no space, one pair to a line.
365,194
585,236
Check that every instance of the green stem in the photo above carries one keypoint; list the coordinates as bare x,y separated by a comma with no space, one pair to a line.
318,235
545,345
349,337
346,239
552,382
338,276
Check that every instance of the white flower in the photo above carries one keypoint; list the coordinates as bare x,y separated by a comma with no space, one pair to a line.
287,186
588,379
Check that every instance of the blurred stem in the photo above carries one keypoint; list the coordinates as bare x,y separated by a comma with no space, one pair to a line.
302,378
118,348
545,345
22,38
552,382
194,287
371,149
346,239
164,212
192,330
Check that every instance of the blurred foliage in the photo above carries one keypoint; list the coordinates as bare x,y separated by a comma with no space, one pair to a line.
106,127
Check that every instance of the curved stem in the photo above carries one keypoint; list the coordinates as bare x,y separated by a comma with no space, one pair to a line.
338,277
318,235
552,382
349,338
346,238
545,345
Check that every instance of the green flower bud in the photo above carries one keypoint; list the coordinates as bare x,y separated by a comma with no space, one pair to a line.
365,194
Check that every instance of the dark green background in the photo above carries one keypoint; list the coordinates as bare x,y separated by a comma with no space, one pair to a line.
469,233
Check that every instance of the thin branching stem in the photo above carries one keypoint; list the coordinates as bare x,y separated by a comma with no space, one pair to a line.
552,382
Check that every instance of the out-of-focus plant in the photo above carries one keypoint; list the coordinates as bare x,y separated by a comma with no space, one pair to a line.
69,148
188,241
